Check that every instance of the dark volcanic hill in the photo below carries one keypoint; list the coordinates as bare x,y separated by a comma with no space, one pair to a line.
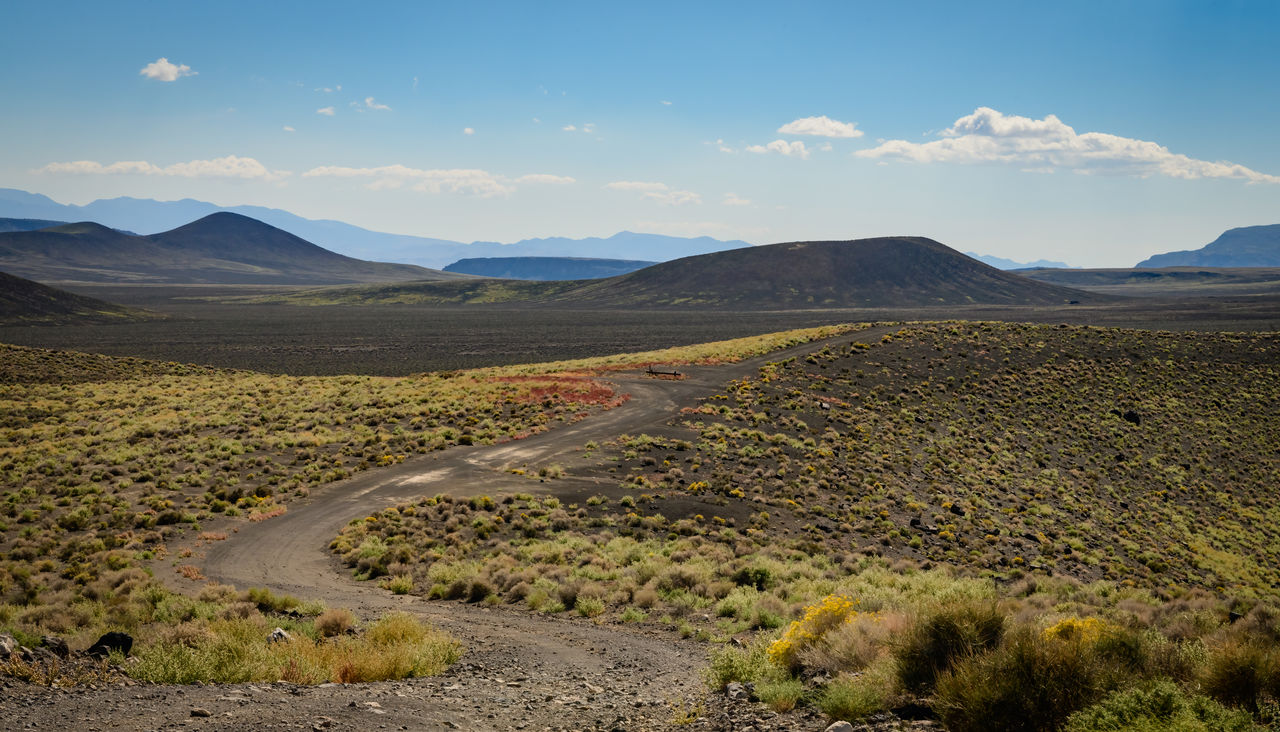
24,301
880,272
546,268
222,248
883,272
1247,246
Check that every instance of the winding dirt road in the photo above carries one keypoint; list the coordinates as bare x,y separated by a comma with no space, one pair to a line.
519,670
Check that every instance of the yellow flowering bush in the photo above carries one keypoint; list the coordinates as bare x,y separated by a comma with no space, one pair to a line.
1083,630
809,631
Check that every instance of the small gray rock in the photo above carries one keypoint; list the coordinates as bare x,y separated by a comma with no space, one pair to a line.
735,690
201,712
279,635
841,726
8,644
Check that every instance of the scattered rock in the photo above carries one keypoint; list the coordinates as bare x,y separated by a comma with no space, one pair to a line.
109,642
201,712
841,726
1132,416
56,645
735,690
279,635
8,645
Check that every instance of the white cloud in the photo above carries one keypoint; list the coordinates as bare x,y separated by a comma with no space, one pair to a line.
569,128
467,181
822,126
635,185
790,149
468,131
544,178
660,192
287,128
732,199
1042,145
326,111
230,166
162,70
370,104
665,103
589,128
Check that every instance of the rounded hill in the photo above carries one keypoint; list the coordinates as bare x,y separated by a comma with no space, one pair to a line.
879,272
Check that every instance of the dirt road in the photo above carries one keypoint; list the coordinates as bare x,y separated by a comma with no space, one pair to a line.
519,670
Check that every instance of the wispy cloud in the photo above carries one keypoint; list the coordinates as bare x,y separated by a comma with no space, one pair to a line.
287,128
546,179
794,149
231,166
369,103
468,130
733,199
162,70
1044,145
326,111
822,126
665,103
459,180
660,192
570,128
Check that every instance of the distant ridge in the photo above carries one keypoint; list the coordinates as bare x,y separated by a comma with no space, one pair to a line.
1009,264
23,301
7,225
883,272
546,268
146,215
221,248
1247,246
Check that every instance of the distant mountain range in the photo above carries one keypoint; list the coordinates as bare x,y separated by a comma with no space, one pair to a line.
25,302
221,248
1008,264
883,272
546,268
1247,246
149,216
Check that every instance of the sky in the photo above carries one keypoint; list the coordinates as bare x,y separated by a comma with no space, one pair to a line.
1095,133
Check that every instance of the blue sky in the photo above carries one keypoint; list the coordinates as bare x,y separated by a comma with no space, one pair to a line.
1095,133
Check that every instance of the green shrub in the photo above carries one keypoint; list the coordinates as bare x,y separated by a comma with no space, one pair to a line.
939,640
854,697
1158,706
1240,671
782,693
730,663
1029,683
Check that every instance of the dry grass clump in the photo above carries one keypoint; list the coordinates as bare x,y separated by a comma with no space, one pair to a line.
336,621
232,651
